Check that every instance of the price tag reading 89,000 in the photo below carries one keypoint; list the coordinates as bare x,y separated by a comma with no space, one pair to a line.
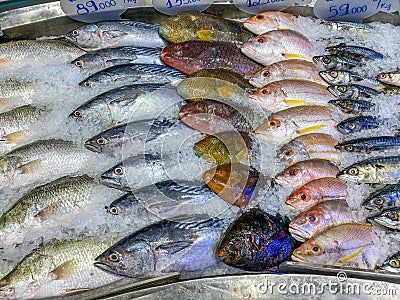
97,10
257,6
354,11
173,7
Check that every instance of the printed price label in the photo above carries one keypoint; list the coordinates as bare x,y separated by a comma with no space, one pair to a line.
97,10
173,7
257,6
354,11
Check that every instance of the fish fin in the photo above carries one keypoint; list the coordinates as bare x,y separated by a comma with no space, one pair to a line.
5,62
351,256
14,137
310,129
45,213
379,166
124,100
206,35
174,247
283,28
296,102
295,56
31,166
71,292
64,270
225,91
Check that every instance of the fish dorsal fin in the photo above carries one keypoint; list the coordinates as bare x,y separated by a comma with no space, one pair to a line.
379,166
64,270
173,247
199,222
351,256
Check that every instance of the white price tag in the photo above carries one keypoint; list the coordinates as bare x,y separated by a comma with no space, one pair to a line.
97,10
257,6
173,7
354,11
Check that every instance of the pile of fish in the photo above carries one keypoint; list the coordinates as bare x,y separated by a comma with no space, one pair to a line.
177,117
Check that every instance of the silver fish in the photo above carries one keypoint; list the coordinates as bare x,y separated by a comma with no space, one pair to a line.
389,218
128,104
352,106
108,34
122,75
105,58
16,93
336,61
163,247
344,77
392,264
352,91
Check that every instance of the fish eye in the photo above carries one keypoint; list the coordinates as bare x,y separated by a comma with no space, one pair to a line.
333,74
101,141
315,249
113,257
200,106
303,197
77,114
344,105
293,172
113,210
220,172
79,63
274,123
75,33
326,60
86,83
342,88
379,201
349,148
312,219
260,40
289,152
353,171
395,263
260,17
118,171
264,91
382,76
351,126
266,74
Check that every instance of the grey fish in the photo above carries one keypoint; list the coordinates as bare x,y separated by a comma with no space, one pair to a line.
129,103
344,77
350,50
348,26
64,195
109,34
124,205
40,162
105,58
163,247
122,75
352,91
15,53
385,197
148,136
392,264
15,93
16,126
356,124
352,106
140,171
389,218
370,144
385,169
336,61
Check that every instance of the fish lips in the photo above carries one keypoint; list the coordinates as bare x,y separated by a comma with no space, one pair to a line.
299,234
112,182
92,147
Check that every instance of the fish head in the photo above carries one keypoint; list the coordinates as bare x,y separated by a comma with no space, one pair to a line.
387,77
325,61
311,251
263,77
377,202
100,78
94,113
90,61
341,91
274,127
123,205
352,125
332,76
293,175
115,178
268,21
348,146
344,104
293,152
389,218
306,223
181,27
354,173
392,264
302,198
87,37
259,49
184,56
129,257
106,141
269,96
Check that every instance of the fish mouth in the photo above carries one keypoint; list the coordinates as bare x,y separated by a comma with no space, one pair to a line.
280,179
255,82
104,267
299,234
183,115
296,258
110,182
333,91
92,147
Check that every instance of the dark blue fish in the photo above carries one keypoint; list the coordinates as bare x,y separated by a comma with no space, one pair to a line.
370,144
257,241
352,106
123,205
354,51
352,91
357,124
386,197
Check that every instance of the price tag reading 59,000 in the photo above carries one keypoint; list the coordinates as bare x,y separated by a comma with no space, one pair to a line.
354,11
97,10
